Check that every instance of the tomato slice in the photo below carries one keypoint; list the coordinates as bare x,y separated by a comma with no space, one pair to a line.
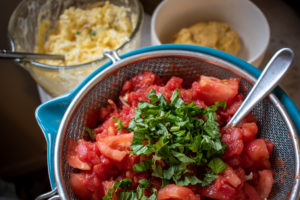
73,158
114,147
213,89
176,192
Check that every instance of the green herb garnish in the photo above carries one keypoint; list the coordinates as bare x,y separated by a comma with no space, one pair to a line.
180,134
119,123
124,183
91,133
93,33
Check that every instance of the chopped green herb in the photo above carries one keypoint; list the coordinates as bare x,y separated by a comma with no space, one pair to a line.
92,134
217,165
139,194
142,166
124,183
208,179
77,33
144,183
119,123
93,33
180,134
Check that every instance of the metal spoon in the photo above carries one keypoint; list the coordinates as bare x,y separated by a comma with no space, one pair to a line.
268,80
4,54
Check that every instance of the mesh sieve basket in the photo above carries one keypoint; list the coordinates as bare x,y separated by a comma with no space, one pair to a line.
184,61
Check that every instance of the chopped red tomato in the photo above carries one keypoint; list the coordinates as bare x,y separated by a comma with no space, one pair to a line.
249,131
176,192
174,83
114,147
257,150
73,158
231,177
251,193
88,152
233,106
140,82
78,184
233,138
265,183
219,189
213,89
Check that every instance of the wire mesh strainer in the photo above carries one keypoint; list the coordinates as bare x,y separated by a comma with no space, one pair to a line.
273,121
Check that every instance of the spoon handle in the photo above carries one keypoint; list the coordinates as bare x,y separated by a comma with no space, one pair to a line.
30,56
268,80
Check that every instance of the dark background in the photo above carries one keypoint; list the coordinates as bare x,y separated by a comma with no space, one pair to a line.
23,165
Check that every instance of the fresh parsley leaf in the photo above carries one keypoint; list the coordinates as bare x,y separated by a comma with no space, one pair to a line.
189,180
153,97
91,133
119,123
153,196
144,183
127,195
217,165
142,166
208,179
124,183
222,105
183,158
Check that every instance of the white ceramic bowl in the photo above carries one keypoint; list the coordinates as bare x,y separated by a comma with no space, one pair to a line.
242,15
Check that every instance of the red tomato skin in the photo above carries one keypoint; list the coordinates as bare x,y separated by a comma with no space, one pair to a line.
213,89
232,107
265,183
234,142
176,192
257,150
270,146
140,82
88,152
78,184
246,161
218,190
174,83
249,131
231,177
196,91
250,192
93,182
72,157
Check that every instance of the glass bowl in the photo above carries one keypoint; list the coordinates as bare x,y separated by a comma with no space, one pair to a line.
23,29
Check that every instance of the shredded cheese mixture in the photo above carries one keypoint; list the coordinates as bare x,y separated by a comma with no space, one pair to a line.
82,35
